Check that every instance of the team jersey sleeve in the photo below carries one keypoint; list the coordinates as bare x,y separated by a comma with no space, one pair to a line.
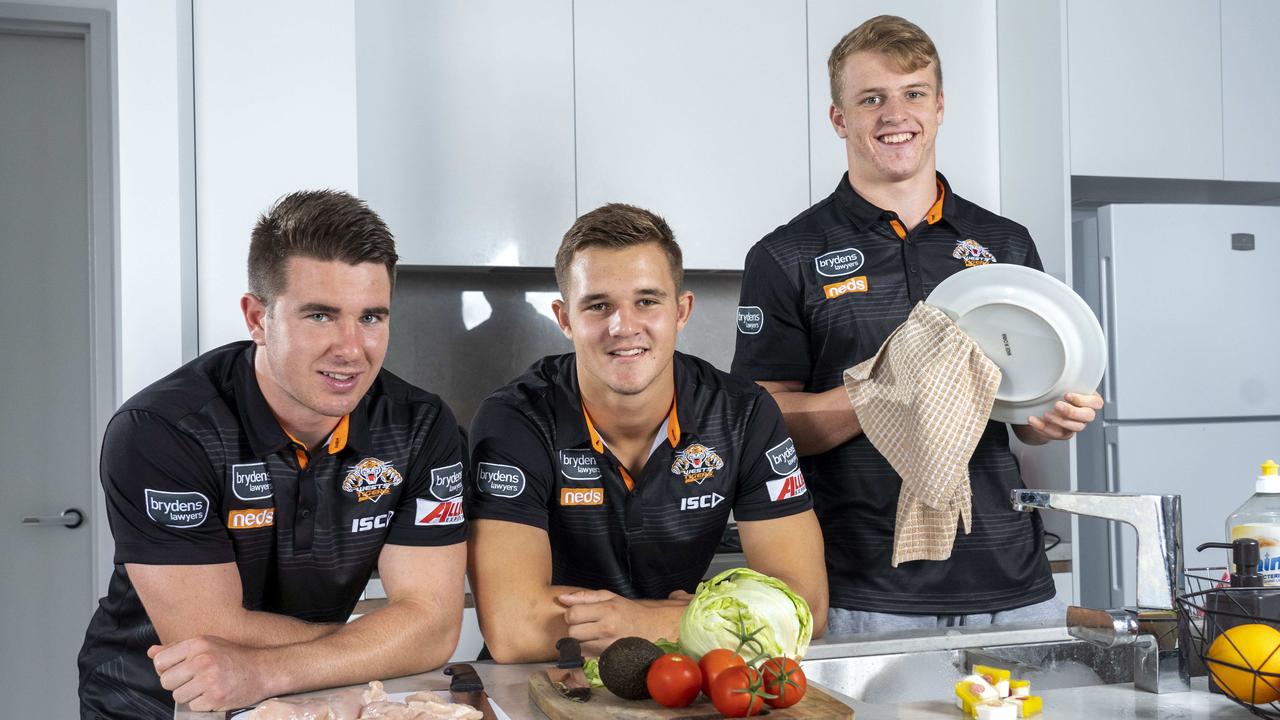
512,476
771,485
163,495
772,338
431,509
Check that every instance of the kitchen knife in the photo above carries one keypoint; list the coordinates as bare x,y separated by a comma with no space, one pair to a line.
567,677
465,687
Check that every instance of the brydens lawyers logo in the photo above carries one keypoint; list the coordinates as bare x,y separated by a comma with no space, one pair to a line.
782,457
370,479
176,509
579,465
501,480
446,482
857,284
696,463
750,319
430,512
839,262
972,253
581,496
787,487
250,481
251,518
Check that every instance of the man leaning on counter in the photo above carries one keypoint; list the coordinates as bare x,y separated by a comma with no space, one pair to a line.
602,480
252,491
824,291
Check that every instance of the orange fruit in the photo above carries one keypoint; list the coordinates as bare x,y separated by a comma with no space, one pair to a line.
1253,646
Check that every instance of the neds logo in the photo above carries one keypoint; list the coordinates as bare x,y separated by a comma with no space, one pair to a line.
839,262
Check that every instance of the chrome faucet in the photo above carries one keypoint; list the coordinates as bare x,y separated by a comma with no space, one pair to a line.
1160,657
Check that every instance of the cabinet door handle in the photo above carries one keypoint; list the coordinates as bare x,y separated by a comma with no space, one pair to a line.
71,518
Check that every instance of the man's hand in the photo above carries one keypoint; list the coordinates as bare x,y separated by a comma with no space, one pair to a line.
210,673
598,617
1067,417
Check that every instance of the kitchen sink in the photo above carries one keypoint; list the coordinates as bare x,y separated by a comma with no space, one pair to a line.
902,677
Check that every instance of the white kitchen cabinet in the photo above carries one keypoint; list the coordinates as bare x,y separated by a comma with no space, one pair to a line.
466,127
1146,88
275,112
1250,101
695,110
965,35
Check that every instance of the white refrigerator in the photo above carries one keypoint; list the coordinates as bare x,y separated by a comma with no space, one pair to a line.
1189,300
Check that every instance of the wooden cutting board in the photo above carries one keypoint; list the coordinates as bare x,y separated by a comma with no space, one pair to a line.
816,705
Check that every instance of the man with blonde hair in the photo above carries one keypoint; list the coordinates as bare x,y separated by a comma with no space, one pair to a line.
823,292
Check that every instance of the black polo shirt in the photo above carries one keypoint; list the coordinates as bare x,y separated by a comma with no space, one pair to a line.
821,294
198,471
538,460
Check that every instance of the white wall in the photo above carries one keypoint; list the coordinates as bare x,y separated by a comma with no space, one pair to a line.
275,108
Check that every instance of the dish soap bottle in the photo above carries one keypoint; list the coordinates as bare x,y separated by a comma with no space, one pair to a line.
1259,518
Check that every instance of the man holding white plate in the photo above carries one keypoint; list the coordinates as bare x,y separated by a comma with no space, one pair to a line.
823,292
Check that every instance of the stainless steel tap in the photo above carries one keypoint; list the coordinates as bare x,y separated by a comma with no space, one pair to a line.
1161,656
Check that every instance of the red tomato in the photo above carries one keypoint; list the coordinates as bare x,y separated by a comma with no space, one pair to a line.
783,678
716,662
738,692
674,680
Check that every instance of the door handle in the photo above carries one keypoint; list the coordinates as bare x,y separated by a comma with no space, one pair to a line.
71,518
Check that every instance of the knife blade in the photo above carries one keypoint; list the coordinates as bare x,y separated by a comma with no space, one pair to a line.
567,677
465,687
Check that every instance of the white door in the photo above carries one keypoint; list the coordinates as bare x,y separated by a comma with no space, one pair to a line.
48,412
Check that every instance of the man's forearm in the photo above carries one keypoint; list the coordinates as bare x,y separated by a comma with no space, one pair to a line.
524,626
818,421
405,637
249,629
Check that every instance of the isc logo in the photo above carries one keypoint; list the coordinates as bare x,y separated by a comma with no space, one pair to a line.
701,501
376,522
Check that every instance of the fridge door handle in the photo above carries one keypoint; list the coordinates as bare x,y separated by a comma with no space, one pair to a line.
1111,451
1105,306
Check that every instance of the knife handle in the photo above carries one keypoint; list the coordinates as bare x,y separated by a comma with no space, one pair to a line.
463,678
570,653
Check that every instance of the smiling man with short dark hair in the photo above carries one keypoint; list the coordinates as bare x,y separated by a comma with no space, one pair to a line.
604,478
252,492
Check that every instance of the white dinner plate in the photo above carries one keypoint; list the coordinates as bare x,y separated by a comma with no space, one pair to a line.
1039,332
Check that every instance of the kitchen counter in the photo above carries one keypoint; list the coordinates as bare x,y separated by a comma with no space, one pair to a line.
507,686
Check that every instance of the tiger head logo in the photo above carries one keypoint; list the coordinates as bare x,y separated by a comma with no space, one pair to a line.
370,479
696,463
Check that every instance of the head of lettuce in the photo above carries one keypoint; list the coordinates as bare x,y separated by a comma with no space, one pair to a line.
746,611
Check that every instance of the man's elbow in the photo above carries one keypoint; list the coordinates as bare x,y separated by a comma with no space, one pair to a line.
507,648
819,619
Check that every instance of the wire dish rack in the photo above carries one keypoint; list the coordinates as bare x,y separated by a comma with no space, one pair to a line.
1244,664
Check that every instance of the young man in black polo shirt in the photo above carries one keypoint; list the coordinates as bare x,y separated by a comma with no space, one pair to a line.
822,293
252,492
603,479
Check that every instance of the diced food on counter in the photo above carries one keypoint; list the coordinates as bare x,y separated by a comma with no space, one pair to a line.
991,692
1027,705
996,710
997,677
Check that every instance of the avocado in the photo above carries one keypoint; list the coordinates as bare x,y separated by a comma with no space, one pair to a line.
624,667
